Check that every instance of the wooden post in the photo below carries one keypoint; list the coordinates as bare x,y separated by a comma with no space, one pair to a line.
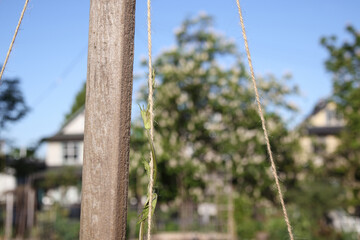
231,220
230,213
30,207
9,215
107,120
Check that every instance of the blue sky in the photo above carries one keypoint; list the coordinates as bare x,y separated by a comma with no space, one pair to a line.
49,55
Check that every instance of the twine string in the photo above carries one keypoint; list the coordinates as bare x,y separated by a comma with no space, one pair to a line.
13,39
151,132
263,123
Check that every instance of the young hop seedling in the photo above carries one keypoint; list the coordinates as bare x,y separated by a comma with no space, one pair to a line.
145,114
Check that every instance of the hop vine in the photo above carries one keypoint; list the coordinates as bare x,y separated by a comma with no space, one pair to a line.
146,117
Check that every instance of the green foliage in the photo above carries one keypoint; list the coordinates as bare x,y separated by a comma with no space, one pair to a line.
54,224
349,236
66,176
2,219
18,152
312,200
144,214
246,226
146,117
307,215
137,177
2,162
318,197
78,103
12,102
344,62
276,227
24,163
67,229
206,117
24,167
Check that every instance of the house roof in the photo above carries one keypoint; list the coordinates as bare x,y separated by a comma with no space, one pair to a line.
306,127
323,131
64,137
320,106
72,117
60,136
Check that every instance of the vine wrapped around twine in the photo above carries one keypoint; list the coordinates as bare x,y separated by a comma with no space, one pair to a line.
148,119
151,132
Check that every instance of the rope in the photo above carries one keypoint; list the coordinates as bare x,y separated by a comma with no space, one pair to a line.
263,123
150,101
13,39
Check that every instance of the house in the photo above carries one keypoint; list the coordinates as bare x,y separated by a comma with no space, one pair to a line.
320,132
66,146
7,180
2,144
65,150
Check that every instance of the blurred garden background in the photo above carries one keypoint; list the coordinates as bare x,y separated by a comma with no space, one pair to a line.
214,178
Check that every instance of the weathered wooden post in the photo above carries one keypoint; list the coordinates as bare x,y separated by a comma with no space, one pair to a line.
31,198
9,215
107,119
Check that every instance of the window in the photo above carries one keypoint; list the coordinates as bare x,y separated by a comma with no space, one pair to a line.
70,152
319,145
332,118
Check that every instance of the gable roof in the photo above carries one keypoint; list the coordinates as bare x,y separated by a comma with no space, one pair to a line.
60,136
324,131
64,137
71,118
320,106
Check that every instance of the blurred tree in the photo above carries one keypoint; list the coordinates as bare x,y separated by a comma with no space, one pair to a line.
206,120
24,163
78,103
344,63
314,199
62,177
12,108
2,162
12,103
55,224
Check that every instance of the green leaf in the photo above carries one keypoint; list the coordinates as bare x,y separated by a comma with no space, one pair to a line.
153,78
145,114
147,167
154,159
154,202
141,232
145,212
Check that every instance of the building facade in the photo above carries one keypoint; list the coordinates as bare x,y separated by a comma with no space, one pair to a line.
320,132
66,146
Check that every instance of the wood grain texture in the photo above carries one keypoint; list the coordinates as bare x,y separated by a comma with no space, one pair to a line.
107,119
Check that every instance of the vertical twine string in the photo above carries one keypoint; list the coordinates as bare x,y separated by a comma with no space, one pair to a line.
13,39
263,123
150,101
